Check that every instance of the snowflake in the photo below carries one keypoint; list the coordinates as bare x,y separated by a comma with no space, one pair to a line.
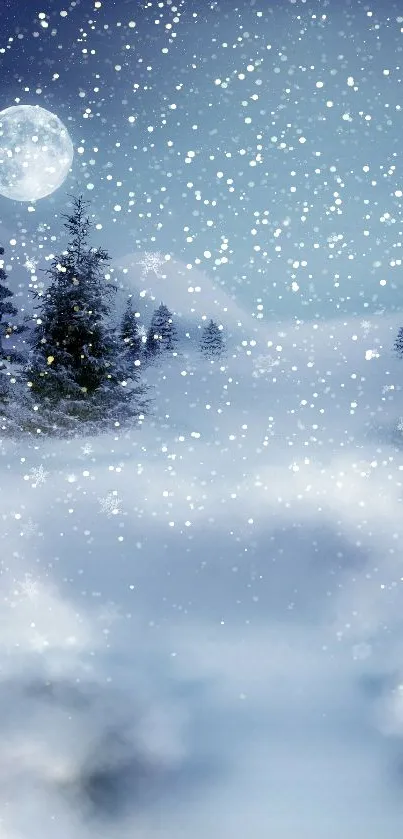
30,264
366,326
363,468
28,587
30,529
86,449
333,238
387,219
39,475
369,354
263,364
399,425
152,262
111,504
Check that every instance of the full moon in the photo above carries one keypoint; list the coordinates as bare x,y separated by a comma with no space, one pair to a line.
36,152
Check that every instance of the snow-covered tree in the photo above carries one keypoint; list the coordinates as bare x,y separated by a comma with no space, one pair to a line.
161,335
12,407
6,307
75,372
15,410
4,386
212,341
131,337
398,346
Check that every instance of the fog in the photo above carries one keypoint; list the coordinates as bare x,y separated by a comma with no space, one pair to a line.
218,651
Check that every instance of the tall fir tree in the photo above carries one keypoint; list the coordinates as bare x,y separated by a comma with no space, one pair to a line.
212,341
398,345
5,391
161,335
74,372
131,338
12,409
6,307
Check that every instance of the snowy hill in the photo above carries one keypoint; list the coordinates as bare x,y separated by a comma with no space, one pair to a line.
231,566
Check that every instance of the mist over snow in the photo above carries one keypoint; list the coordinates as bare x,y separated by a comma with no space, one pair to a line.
201,619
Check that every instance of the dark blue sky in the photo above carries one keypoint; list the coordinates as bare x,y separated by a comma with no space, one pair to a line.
293,118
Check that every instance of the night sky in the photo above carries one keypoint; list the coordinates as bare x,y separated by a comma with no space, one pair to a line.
259,142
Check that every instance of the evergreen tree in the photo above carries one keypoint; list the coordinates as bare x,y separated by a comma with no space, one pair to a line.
398,346
161,335
212,341
131,337
6,307
4,387
74,372
12,406
15,410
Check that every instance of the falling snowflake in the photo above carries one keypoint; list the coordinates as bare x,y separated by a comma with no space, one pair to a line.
30,529
86,449
111,504
399,425
333,238
366,326
363,468
151,263
43,227
39,475
30,264
387,219
263,365
28,587
369,354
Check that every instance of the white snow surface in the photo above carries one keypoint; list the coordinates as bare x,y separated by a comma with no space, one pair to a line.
201,618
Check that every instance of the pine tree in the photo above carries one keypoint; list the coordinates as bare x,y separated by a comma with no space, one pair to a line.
398,346
212,341
12,408
161,335
6,307
4,387
74,371
131,338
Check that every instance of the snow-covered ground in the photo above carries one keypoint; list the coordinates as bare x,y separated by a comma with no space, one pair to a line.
201,619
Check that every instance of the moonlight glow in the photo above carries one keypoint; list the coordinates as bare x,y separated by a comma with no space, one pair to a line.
36,152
